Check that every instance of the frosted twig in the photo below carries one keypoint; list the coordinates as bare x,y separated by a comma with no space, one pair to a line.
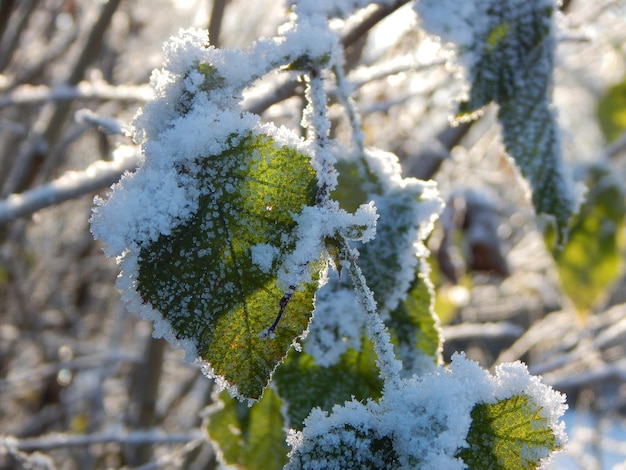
598,374
318,127
105,124
344,94
389,366
172,458
369,22
83,362
482,330
35,461
364,75
30,95
63,440
285,90
72,184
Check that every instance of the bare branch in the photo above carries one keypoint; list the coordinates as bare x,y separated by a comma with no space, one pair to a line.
104,124
64,440
466,331
29,95
72,184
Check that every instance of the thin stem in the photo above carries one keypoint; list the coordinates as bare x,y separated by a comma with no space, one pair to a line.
215,22
344,95
72,184
63,440
388,365
318,128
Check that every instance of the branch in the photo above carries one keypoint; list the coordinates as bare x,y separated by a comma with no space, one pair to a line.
466,331
72,184
30,95
368,23
287,89
63,440
82,362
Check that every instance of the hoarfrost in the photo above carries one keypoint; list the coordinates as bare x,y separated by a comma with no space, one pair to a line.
420,423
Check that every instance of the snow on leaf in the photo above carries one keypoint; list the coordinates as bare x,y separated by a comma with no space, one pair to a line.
509,57
449,418
509,434
407,208
202,277
414,328
306,385
347,438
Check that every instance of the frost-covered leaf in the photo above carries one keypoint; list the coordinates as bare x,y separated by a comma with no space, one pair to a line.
305,385
508,435
249,437
347,438
611,111
591,259
415,329
531,138
407,208
507,48
437,421
214,277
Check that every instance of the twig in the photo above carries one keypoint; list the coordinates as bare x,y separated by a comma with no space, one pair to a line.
216,20
598,374
70,185
368,23
617,147
16,27
172,458
64,440
51,122
466,331
287,89
83,362
105,124
389,366
364,75
30,95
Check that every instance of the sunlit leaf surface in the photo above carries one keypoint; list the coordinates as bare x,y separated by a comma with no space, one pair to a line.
203,277
507,435
591,260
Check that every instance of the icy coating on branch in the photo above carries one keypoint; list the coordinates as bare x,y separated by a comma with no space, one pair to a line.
333,8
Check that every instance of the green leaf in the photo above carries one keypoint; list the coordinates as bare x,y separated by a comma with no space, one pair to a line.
591,260
389,261
611,111
518,37
347,439
203,277
531,137
514,69
249,437
414,325
305,385
507,435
